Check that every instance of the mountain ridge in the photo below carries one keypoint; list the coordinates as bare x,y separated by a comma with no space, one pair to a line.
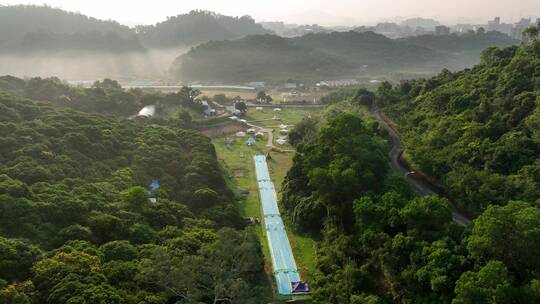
321,55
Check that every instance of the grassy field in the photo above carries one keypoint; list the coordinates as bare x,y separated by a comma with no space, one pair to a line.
289,117
276,96
230,93
237,159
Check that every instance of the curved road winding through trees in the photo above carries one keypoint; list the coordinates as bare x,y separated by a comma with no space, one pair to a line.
419,187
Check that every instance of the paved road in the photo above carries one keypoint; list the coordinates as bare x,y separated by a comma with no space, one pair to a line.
419,187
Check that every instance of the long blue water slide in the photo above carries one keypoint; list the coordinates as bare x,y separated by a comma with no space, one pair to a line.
284,266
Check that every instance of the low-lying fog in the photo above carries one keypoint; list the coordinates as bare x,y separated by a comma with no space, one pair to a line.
89,66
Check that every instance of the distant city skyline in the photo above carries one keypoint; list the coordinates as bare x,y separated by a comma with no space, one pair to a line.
337,12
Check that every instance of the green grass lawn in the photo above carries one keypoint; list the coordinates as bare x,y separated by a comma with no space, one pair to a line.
237,161
287,116
251,95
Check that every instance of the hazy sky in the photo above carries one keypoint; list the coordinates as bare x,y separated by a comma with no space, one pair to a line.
326,12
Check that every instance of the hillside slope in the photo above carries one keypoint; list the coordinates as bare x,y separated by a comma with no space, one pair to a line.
42,28
311,56
77,225
369,48
326,55
254,58
467,46
196,27
478,130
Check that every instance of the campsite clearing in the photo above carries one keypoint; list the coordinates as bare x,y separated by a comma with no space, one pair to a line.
235,155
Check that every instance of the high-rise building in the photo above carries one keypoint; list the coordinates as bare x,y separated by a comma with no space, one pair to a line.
519,27
496,25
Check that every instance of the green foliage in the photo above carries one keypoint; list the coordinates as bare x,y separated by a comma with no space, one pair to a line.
262,97
104,97
329,55
339,95
240,106
53,29
364,97
220,272
118,250
196,27
51,271
491,284
76,222
16,258
17,293
469,45
327,175
136,197
400,249
304,132
185,121
426,214
43,28
508,234
476,130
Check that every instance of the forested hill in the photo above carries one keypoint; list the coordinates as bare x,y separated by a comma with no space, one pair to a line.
477,130
41,28
328,55
28,28
254,58
105,97
197,27
77,225
381,244
468,45
312,56
368,48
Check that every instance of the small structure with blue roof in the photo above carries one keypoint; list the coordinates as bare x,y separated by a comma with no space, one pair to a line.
251,141
152,187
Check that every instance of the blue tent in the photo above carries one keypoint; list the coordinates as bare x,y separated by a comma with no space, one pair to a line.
251,141
154,185
299,287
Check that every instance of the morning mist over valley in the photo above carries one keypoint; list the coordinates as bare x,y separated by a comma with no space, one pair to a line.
346,152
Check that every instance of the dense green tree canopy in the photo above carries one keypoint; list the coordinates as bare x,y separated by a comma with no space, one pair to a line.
331,171
104,97
475,130
509,234
47,29
77,225
317,56
196,27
